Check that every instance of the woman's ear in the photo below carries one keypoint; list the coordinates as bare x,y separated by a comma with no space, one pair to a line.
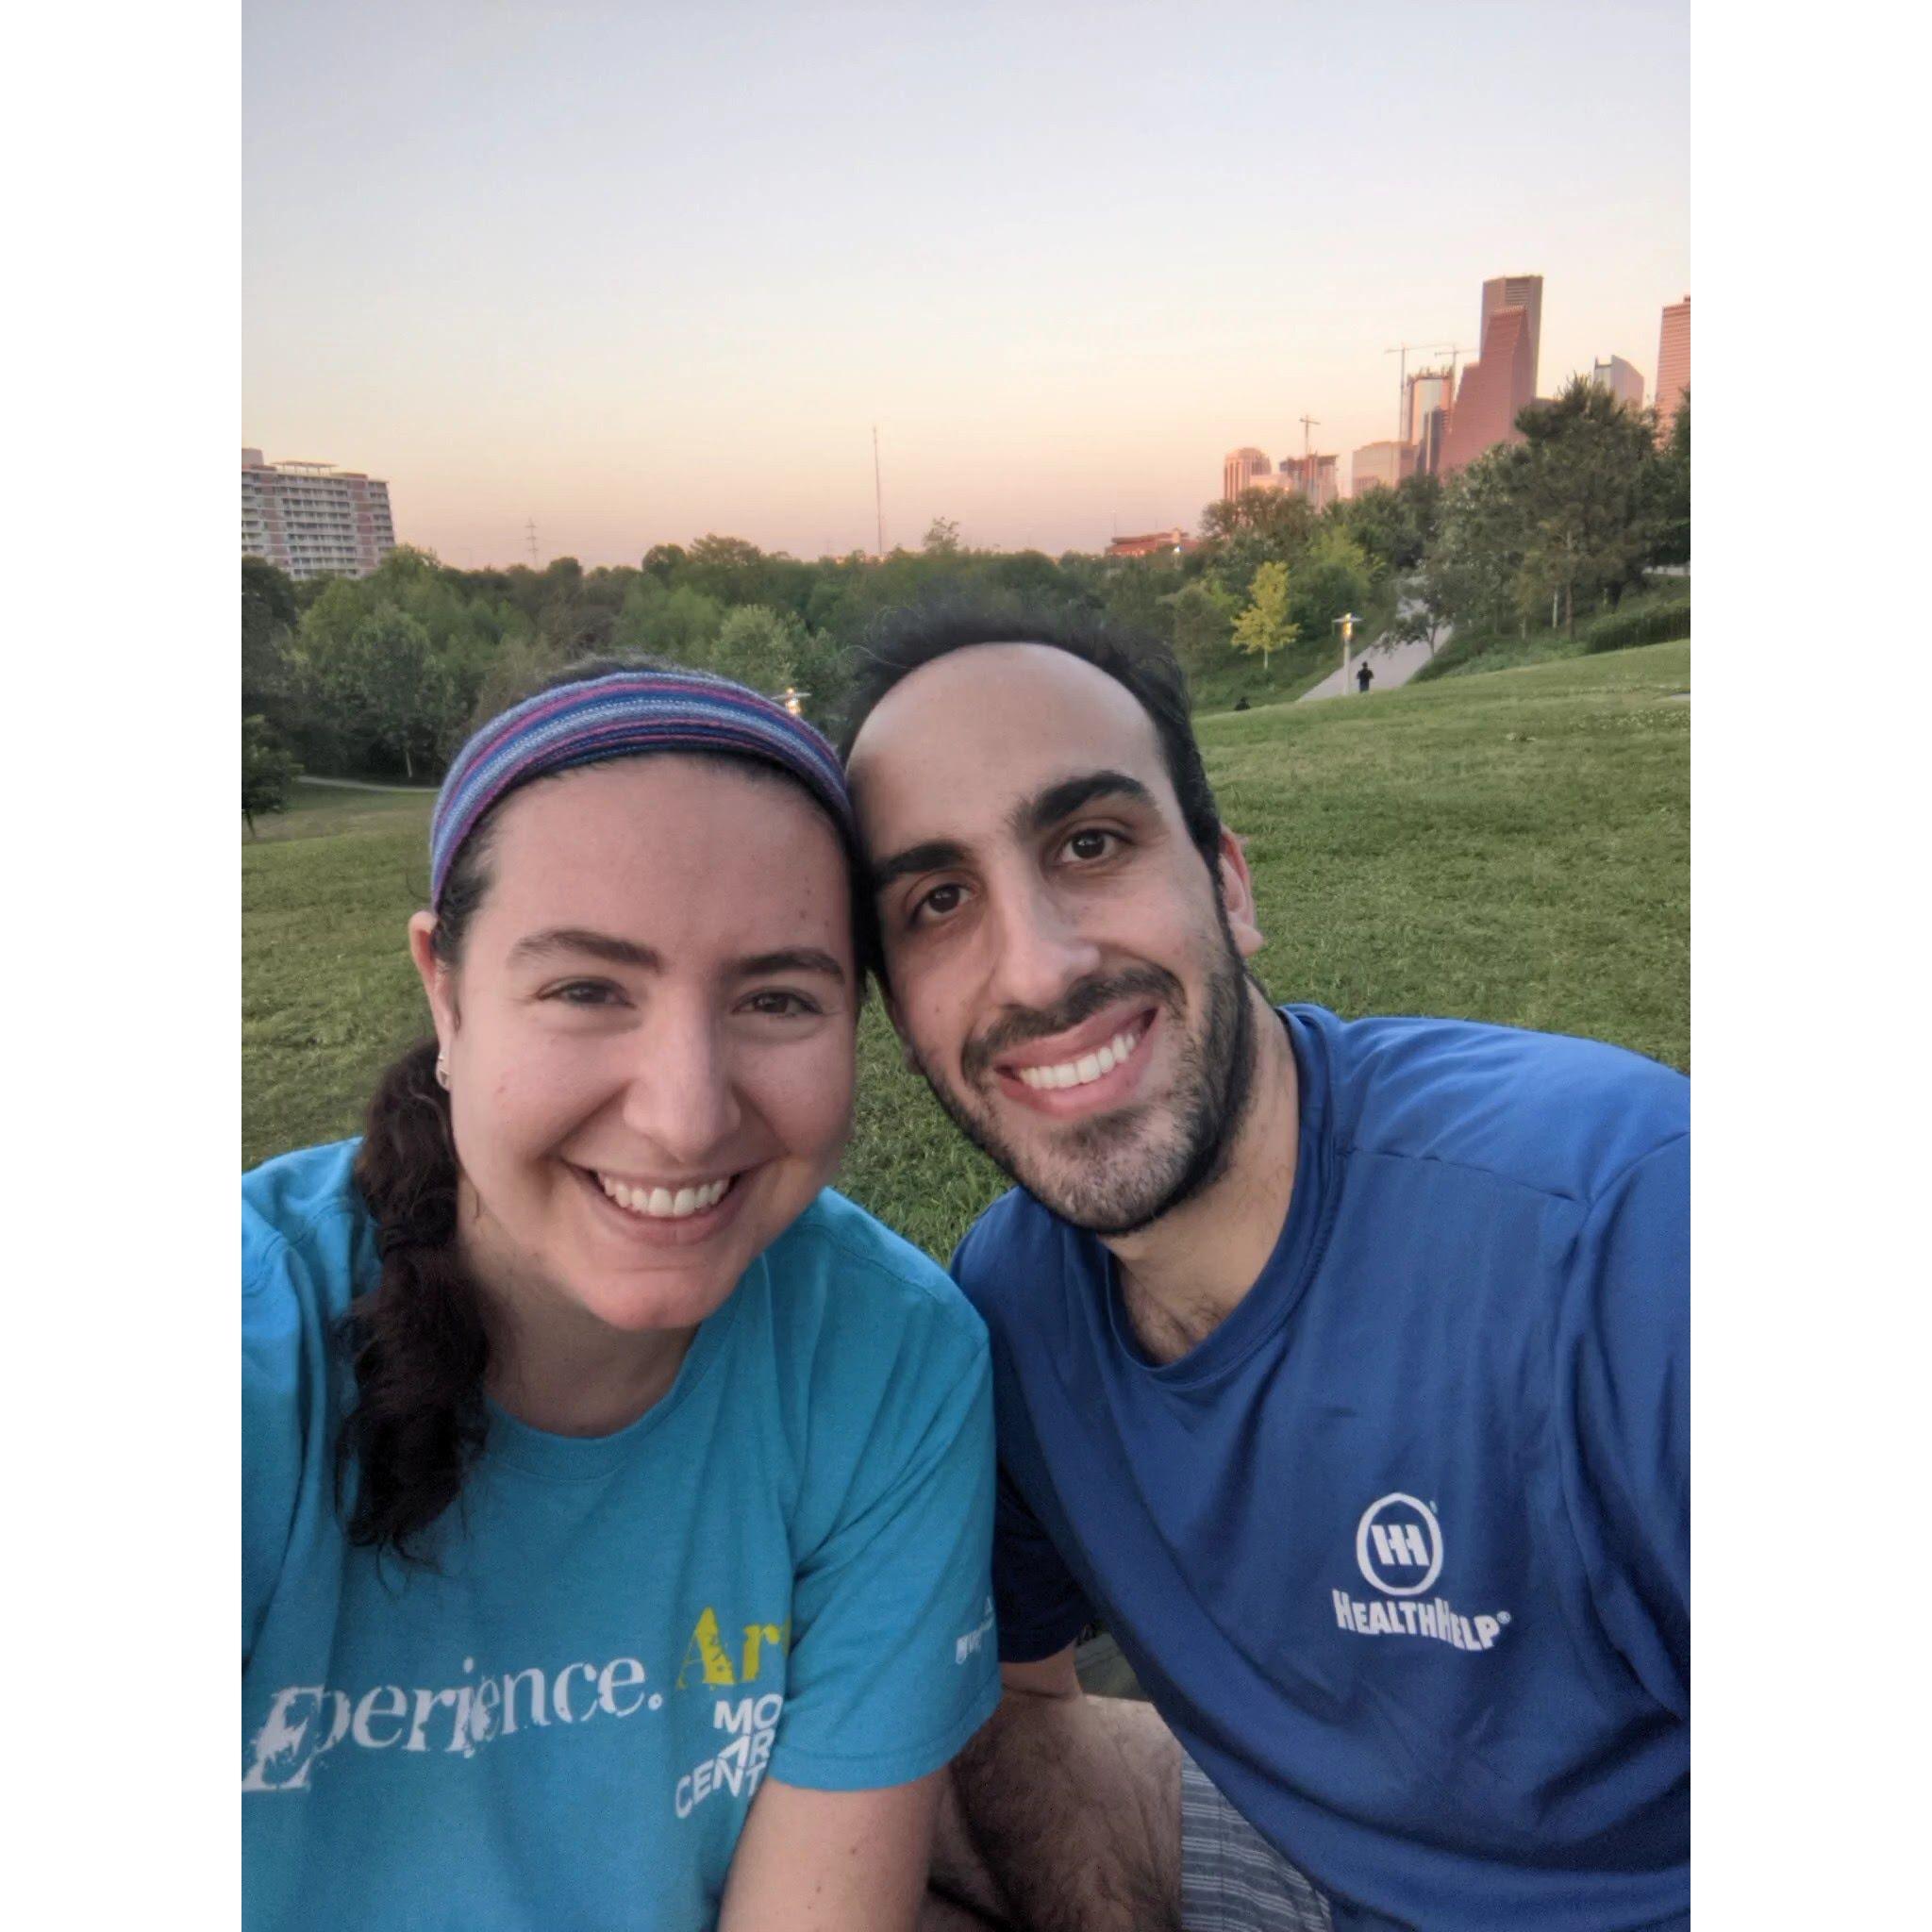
438,983
1237,887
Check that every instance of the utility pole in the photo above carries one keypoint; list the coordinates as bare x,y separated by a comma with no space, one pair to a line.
878,496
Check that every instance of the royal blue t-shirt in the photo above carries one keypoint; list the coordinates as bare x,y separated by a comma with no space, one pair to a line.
1401,1550
780,1568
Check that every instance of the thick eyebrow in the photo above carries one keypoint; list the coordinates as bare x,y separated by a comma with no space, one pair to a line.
935,855
790,959
1046,809
1028,818
601,945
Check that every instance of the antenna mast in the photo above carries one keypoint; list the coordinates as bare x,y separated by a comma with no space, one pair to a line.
530,530
878,497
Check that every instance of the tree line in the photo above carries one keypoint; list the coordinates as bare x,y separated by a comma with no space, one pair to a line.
385,675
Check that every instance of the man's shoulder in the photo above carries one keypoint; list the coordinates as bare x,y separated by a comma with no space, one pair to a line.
1553,1112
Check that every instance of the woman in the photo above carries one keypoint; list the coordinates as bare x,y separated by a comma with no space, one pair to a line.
617,1498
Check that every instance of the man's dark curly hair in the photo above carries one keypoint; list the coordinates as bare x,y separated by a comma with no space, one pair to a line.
901,641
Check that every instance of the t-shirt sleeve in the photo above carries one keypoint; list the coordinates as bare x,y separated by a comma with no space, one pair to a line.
1041,1607
1623,1388
893,1663
274,1407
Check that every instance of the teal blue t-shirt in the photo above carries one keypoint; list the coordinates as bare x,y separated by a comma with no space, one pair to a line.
781,1567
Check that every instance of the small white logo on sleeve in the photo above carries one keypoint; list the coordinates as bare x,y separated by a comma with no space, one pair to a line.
1398,1547
970,1644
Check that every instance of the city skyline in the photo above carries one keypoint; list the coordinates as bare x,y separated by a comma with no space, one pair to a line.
640,273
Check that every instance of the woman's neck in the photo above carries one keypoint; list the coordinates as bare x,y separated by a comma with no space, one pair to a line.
554,1365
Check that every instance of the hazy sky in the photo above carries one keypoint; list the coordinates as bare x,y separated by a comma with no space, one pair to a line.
641,272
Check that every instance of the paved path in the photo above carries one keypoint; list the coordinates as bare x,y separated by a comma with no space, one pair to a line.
1392,664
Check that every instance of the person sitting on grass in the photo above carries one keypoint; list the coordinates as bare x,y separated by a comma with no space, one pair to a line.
617,1499
1342,1364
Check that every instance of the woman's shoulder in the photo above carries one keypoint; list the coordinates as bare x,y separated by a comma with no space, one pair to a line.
305,1229
853,1270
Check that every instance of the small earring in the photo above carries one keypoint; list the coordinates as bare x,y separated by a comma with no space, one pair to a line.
442,1073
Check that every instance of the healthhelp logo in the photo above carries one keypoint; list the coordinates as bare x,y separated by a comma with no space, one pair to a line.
1398,1548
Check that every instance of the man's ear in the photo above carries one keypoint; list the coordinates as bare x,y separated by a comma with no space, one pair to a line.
1236,885
439,984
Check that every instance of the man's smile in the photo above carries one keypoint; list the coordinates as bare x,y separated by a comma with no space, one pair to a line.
1083,1071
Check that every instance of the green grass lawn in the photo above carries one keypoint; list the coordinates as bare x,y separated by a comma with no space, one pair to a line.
1512,847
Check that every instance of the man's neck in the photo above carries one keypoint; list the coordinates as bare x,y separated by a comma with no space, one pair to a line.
1184,1276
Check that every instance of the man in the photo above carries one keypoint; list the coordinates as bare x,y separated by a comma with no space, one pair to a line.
1363,678
1340,1367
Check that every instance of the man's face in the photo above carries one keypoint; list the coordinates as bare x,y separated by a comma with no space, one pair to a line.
1062,965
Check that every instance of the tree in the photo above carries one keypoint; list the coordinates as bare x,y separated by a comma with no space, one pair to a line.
268,616
1672,491
1265,626
388,691
1203,618
1473,572
1334,577
267,770
942,538
757,647
1592,522
1284,520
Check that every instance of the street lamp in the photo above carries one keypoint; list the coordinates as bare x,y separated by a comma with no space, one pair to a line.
1345,625
793,701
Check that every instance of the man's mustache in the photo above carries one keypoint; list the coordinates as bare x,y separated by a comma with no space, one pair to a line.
1089,996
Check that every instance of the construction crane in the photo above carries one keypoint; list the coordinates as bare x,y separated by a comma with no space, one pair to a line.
1309,422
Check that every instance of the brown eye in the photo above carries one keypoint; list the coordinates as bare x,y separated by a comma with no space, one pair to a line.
1090,845
938,902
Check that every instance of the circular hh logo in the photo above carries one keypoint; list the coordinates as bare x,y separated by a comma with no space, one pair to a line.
1399,1545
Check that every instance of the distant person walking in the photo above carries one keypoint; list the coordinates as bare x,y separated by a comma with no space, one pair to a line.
1363,678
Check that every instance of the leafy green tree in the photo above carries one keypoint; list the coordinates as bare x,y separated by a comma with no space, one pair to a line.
1589,499
758,647
1672,481
680,623
268,769
388,691
1283,520
1202,616
1473,572
1264,624
1335,575
268,616
942,538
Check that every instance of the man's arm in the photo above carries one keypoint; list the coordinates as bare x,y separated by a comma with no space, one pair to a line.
831,1861
1068,1809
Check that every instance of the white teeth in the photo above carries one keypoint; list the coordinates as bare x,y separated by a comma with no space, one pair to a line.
660,1203
1088,1068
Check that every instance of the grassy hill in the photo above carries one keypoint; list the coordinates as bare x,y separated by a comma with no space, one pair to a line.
1512,847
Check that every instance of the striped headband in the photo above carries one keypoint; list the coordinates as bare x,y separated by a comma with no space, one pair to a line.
615,716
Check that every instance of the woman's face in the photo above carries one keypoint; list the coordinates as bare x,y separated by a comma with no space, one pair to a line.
649,1036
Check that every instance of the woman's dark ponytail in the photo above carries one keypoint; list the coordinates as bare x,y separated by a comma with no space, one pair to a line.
419,1341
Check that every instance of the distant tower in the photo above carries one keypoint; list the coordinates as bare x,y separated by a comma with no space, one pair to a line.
1425,420
1240,469
1623,381
1501,383
1673,365
1524,292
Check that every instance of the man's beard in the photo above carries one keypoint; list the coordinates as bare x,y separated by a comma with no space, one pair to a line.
1098,1175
